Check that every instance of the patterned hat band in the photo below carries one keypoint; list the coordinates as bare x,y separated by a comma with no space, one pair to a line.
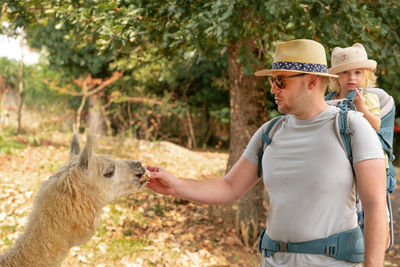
308,67
300,55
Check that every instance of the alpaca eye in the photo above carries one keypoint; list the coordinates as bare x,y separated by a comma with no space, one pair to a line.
109,174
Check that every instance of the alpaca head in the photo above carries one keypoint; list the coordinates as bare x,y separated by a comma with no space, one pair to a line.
68,204
110,178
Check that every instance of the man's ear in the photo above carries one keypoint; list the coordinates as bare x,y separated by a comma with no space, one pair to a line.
86,153
312,82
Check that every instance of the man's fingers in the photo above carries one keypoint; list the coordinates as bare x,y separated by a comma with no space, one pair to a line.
152,168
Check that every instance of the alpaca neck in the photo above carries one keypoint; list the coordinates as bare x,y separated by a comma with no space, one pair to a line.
31,249
56,223
48,246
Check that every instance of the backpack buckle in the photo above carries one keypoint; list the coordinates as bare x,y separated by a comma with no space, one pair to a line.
283,247
331,250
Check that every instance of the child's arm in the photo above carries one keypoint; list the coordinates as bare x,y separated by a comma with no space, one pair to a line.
373,119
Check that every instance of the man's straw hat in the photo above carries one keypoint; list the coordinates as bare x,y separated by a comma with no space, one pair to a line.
299,56
353,57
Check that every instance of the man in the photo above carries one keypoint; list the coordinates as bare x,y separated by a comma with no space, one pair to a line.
309,178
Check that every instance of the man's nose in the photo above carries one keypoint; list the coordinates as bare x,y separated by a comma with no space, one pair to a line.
275,89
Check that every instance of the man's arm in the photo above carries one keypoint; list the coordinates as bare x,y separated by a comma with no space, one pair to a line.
235,184
371,184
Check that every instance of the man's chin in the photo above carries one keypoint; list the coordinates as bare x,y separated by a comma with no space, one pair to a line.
282,109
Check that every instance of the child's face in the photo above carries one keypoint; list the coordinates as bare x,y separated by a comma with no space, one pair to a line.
351,79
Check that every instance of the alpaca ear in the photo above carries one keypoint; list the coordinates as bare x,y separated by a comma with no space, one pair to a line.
75,147
86,153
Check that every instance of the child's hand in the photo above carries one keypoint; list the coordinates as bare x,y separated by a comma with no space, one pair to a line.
359,101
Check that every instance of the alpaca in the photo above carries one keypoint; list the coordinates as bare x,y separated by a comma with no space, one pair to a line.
67,207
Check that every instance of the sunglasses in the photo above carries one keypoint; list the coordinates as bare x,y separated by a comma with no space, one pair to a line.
280,80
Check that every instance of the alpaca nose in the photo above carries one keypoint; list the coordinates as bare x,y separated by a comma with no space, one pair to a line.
134,164
141,172
137,167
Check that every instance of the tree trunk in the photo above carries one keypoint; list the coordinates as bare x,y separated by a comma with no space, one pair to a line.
97,121
248,112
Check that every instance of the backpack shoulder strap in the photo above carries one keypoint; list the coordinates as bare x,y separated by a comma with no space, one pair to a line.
343,131
329,96
266,139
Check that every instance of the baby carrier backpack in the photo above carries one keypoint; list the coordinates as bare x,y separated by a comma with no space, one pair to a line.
337,245
385,134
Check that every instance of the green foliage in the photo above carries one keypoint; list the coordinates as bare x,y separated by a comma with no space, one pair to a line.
36,91
9,72
177,50
7,143
75,56
198,91
33,140
181,87
203,28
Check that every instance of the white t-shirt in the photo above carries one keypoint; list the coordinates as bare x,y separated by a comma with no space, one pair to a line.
310,181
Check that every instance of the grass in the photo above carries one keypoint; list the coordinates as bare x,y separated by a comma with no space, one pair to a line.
52,167
126,245
7,143
5,232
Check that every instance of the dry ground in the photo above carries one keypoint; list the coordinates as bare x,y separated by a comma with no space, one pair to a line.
144,229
